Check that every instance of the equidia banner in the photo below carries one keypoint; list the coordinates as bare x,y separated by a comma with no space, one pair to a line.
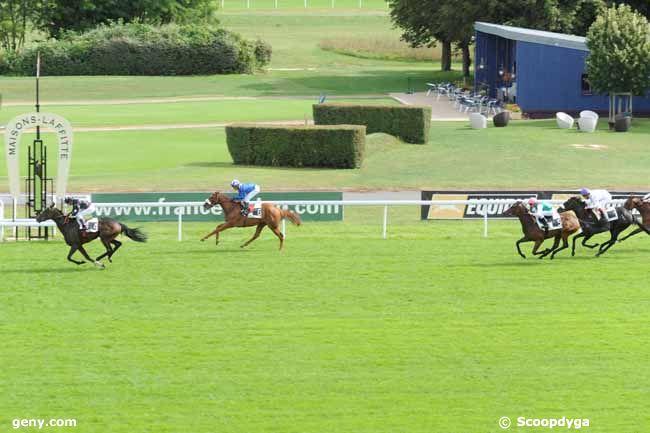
493,208
308,212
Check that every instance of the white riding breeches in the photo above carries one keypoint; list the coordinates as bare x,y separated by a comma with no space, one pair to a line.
81,216
251,194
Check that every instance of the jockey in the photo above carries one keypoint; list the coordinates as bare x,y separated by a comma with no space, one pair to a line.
245,192
80,209
541,210
597,201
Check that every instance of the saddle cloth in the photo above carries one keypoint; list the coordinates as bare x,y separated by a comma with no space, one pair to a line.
92,225
611,213
554,222
255,210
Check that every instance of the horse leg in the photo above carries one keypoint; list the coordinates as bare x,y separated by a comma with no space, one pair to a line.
556,242
585,244
575,238
279,234
72,251
117,244
85,254
522,240
538,243
609,244
109,249
258,230
565,245
635,232
215,232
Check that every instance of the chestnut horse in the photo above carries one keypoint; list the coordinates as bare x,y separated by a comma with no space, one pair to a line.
644,209
271,217
532,232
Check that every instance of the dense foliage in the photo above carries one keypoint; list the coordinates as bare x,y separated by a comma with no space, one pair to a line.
341,146
410,123
142,49
427,22
619,58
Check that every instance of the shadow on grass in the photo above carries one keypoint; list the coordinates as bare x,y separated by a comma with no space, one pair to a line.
73,268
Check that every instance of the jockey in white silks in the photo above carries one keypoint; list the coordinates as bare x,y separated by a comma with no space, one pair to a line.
597,200
541,210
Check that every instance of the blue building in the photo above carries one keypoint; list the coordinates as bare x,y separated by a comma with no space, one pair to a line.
543,72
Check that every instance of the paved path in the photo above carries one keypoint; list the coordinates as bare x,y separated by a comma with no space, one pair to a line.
442,109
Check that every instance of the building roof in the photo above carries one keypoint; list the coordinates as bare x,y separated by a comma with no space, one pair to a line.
534,36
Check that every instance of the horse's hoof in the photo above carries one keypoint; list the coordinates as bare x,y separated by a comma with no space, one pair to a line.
99,264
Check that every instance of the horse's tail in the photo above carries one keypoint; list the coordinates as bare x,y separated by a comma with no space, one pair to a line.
134,234
293,217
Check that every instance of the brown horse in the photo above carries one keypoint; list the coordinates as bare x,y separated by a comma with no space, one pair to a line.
644,209
272,216
532,232
109,230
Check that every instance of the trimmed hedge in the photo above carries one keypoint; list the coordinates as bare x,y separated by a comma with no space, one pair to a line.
142,49
341,146
410,123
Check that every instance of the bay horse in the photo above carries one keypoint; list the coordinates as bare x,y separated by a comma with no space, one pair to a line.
591,225
272,216
109,230
644,209
532,232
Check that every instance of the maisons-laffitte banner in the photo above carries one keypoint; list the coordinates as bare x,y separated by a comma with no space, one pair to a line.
494,204
49,122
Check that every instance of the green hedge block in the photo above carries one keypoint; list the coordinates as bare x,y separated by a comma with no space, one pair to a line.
341,146
141,49
410,123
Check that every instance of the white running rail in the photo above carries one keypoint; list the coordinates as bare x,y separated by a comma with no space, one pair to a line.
180,208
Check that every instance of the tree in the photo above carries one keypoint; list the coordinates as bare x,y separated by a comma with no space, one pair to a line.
619,52
78,15
417,19
15,18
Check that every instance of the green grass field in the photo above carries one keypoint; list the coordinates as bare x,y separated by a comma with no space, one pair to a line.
435,329
524,155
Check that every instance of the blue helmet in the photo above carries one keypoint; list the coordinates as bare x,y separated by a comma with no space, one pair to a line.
235,183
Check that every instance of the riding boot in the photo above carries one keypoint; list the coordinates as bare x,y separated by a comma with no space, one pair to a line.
244,208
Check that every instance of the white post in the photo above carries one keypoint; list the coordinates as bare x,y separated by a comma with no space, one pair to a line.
276,4
305,4
248,4
332,4
180,224
284,228
485,223
360,4
15,211
385,220
223,3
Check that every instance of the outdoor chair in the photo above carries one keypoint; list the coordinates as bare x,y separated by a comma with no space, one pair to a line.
587,123
564,121
477,121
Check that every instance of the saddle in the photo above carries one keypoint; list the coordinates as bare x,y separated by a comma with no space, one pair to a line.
92,226
254,210
611,214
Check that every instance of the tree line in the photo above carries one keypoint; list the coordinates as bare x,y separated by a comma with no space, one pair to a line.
451,22
55,17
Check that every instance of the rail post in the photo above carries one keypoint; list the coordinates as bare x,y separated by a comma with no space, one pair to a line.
485,223
2,217
385,221
180,224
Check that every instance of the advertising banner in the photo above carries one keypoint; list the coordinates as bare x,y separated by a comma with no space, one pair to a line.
308,212
493,208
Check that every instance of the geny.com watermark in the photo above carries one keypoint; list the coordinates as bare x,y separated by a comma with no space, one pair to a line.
41,423
549,423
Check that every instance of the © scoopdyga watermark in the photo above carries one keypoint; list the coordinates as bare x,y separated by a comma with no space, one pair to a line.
549,423
41,423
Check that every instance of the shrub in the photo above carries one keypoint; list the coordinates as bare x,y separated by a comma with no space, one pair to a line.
341,146
140,49
410,123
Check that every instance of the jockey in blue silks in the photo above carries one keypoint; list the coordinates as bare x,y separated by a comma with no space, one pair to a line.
245,193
